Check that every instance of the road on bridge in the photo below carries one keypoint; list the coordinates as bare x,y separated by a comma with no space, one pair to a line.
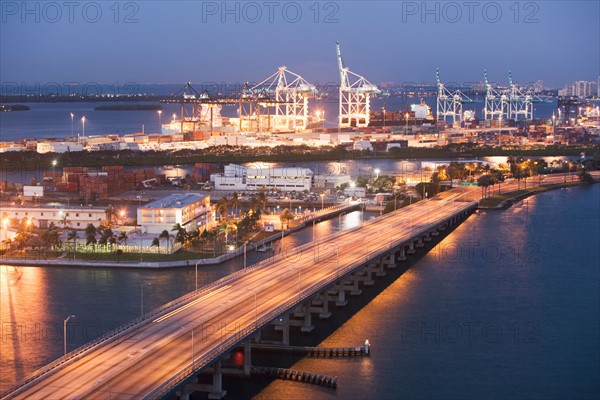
137,363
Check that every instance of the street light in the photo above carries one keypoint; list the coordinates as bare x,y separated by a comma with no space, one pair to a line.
406,118
72,116
159,112
142,294
65,332
255,308
83,126
322,198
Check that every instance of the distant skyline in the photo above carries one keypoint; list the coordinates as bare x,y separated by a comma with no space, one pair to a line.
177,41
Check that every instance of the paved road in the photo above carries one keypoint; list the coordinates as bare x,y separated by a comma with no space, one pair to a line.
132,366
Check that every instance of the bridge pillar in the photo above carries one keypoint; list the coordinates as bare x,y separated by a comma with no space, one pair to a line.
247,357
427,237
401,254
365,275
411,248
390,261
320,305
379,268
217,386
420,241
353,286
307,325
338,295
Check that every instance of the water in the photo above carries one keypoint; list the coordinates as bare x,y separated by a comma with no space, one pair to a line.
54,119
506,306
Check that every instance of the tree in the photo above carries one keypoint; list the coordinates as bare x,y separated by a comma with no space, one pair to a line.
90,229
122,238
72,235
111,214
181,235
223,207
156,243
51,238
485,181
285,217
234,202
226,228
166,236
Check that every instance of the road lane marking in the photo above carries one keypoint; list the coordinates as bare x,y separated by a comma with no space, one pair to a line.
160,319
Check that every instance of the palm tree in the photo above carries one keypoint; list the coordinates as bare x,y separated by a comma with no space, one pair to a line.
156,243
111,213
223,207
226,228
72,235
166,236
181,235
122,238
235,202
64,221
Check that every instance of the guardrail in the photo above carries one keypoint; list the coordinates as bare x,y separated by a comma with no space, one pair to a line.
230,342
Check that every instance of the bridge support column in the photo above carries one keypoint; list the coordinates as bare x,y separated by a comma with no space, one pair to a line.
411,248
401,254
217,386
247,357
338,295
420,241
390,260
365,275
379,268
320,305
427,237
353,286
307,326
284,327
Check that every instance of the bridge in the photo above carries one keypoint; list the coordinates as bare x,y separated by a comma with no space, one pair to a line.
163,351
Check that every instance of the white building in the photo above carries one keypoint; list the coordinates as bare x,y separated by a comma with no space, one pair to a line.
331,181
75,217
58,147
237,177
191,210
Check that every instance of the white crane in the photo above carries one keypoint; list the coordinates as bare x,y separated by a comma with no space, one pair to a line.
355,96
449,104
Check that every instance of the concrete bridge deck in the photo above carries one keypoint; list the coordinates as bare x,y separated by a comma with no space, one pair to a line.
157,353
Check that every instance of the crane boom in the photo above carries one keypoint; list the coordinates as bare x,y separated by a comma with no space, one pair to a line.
340,63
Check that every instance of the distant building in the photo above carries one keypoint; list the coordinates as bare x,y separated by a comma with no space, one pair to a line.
191,210
581,89
237,177
74,217
58,147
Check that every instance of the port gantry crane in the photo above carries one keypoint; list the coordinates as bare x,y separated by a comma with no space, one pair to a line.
196,109
520,104
449,104
496,102
355,97
284,96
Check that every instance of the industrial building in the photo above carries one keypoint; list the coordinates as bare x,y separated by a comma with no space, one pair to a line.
190,210
238,177
40,216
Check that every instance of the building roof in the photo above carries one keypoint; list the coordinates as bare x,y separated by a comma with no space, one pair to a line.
178,200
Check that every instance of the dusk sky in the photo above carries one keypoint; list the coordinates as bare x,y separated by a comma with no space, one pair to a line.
179,41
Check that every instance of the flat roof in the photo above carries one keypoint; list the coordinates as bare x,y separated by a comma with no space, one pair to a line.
177,200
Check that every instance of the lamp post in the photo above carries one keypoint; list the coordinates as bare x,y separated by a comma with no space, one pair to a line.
72,116
65,332
322,200
142,295
159,112
245,259
83,126
255,308
406,118
197,274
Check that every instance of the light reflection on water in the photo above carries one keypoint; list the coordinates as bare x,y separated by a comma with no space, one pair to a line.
506,306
